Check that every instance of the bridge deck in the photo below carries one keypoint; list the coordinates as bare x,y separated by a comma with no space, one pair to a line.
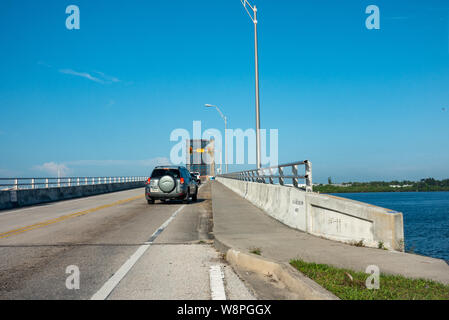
104,235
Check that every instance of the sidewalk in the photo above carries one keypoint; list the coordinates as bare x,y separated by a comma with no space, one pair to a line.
240,225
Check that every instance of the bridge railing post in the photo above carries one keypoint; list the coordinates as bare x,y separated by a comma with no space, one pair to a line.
295,175
281,176
257,174
271,176
309,183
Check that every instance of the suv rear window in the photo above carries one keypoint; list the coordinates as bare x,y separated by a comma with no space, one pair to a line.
158,173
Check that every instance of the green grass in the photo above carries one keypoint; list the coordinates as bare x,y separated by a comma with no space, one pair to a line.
380,245
357,243
256,251
390,288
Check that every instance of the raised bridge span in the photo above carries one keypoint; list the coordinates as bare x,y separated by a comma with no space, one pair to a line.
110,243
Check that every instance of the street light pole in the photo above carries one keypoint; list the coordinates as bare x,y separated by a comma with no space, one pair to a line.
257,90
254,19
226,127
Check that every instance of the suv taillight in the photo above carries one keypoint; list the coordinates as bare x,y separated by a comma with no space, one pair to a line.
148,181
182,180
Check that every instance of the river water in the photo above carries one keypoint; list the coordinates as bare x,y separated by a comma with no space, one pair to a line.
426,218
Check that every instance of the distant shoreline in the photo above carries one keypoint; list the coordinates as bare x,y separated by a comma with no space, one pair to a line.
374,189
395,191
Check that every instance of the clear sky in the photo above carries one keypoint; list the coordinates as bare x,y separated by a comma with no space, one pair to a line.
360,104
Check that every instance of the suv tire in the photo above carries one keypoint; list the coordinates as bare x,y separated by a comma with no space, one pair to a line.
195,196
150,201
187,198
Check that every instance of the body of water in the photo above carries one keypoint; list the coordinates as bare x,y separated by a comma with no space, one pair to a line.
426,218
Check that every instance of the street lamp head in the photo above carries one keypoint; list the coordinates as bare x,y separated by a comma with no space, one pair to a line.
209,106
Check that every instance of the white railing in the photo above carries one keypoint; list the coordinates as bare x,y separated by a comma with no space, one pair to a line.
43,183
277,175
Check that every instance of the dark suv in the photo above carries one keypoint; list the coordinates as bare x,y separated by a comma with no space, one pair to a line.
171,182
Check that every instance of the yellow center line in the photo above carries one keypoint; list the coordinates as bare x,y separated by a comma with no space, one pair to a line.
62,218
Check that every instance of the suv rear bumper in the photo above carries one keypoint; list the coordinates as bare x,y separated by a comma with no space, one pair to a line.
149,195
168,196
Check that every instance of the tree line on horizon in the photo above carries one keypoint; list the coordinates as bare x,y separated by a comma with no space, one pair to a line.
423,185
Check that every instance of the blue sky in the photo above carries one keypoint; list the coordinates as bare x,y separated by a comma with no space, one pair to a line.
360,104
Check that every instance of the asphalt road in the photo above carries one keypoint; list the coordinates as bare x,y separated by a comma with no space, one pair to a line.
122,247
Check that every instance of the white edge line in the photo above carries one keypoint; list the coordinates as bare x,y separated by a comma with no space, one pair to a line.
216,283
113,281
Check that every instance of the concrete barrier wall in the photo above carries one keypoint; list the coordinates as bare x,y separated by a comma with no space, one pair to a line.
323,215
19,198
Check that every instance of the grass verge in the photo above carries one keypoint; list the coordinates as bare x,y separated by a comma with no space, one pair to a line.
391,287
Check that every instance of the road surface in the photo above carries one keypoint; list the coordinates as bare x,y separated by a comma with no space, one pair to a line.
122,247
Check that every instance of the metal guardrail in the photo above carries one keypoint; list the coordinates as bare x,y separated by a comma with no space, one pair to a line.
43,183
280,173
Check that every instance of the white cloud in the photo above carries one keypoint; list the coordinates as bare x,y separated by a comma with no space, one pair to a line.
52,168
100,76
81,74
106,77
160,161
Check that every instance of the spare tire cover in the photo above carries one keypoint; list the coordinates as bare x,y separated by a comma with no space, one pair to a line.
167,183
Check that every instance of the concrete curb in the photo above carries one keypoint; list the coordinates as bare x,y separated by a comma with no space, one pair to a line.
291,278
